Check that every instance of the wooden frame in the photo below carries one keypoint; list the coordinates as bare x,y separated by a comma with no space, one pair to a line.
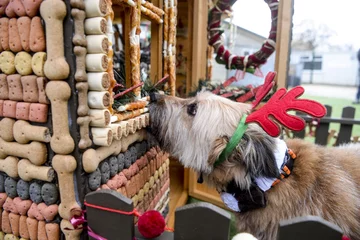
202,191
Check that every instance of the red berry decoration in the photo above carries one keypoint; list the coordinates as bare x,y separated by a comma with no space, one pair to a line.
151,224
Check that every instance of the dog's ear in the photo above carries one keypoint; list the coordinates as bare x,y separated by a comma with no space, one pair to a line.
257,150
217,148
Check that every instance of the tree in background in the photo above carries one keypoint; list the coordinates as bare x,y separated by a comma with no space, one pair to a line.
310,36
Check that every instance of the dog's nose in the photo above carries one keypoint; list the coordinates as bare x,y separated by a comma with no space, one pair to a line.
154,97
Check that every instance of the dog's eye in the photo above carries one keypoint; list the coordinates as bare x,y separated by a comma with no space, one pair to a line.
192,109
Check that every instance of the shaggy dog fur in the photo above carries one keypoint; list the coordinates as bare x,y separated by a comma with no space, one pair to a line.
324,181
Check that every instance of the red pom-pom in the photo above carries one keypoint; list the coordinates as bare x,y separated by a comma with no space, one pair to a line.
151,224
345,238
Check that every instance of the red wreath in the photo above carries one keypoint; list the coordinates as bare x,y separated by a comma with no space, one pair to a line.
231,61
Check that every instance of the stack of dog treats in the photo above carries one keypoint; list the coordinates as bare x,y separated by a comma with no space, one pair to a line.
29,196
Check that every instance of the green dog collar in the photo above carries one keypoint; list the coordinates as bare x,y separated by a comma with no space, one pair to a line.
234,141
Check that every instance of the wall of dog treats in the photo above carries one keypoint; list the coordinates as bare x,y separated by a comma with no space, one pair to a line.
60,138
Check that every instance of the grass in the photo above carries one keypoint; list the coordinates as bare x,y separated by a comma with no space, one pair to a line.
337,106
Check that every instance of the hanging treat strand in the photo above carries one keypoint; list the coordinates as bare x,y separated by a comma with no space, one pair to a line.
135,49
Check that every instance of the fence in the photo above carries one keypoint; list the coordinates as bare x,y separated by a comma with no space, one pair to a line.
198,221
323,134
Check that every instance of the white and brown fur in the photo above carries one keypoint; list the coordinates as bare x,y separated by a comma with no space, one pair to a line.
324,181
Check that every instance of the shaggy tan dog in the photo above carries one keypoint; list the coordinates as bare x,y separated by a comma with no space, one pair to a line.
323,182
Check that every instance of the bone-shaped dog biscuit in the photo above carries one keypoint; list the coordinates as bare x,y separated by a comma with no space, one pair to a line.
37,35
64,166
77,4
24,132
24,24
14,37
95,8
80,74
85,140
9,166
68,229
79,35
59,93
36,152
97,44
95,26
28,171
4,4
98,100
98,81
92,158
136,137
4,36
6,129
53,12
83,108
102,136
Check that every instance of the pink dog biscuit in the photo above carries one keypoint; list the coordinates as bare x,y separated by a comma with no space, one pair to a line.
35,213
48,212
22,206
30,88
14,223
22,110
23,230
4,89
15,8
15,87
3,197
31,7
5,222
14,37
32,226
10,206
37,36
3,5
38,112
4,36
24,25
52,231
9,109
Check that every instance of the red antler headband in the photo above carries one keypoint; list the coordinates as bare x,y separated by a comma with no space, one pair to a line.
275,109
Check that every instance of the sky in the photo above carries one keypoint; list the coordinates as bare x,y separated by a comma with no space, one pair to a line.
343,18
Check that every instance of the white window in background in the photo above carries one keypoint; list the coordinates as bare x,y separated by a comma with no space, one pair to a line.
310,64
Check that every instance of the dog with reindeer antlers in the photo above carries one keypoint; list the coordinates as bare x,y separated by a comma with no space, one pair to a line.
262,178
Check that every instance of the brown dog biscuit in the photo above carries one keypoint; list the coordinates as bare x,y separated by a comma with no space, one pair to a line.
83,108
79,36
5,222
30,88
41,84
14,223
37,35
23,230
52,231
1,107
7,62
32,227
15,8
3,5
37,63
15,87
4,36
77,4
80,74
24,25
9,109
4,90
23,63
41,231
38,112
31,7
22,110
14,37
